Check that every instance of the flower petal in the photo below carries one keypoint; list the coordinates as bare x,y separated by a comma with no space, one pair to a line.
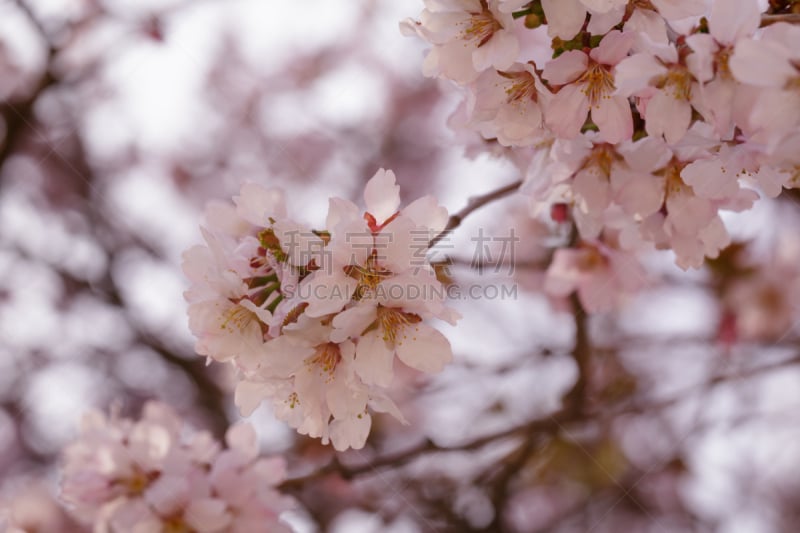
668,116
613,48
257,203
613,117
340,210
761,63
564,17
565,68
424,348
733,19
327,293
374,360
567,111
382,195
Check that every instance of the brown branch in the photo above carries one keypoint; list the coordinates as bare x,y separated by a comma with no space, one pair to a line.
482,265
474,203
582,352
714,381
549,424
791,18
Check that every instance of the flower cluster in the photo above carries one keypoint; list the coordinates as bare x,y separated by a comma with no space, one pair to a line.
152,475
313,319
647,117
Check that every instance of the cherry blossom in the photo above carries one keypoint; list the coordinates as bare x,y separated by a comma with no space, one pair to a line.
236,277
587,85
770,63
507,105
717,91
376,263
598,274
663,86
566,17
468,36
148,475
312,319
311,380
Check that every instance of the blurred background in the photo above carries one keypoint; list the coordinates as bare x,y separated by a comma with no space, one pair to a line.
120,119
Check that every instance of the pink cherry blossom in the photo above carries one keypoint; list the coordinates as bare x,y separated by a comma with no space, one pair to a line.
566,17
507,105
770,64
250,253
599,274
587,85
729,21
312,382
468,37
150,475
663,86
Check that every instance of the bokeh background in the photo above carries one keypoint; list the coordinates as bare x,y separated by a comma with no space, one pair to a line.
122,118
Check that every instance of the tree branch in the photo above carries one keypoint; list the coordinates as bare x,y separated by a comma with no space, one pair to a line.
549,424
791,18
582,352
576,397
474,203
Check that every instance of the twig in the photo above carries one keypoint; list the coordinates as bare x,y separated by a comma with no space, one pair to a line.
549,424
791,18
582,352
713,381
576,397
476,202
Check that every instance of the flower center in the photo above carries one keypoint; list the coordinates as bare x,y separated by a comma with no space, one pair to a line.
599,83
521,86
369,276
325,358
136,483
237,318
591,260
175,524
393,323
481,26
722,58
292,400
678,82
602,158
674,182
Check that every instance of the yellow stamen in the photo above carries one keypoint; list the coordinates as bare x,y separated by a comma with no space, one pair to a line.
723,69
522,86
239,317
394,324
481,27
325,359
678,82
293,400
599,83
369,277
